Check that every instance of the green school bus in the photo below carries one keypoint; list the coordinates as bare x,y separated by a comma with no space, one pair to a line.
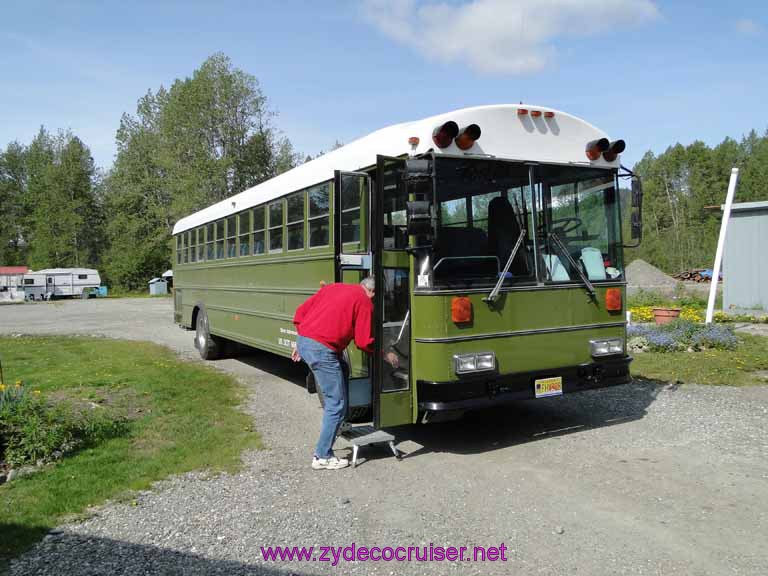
495,237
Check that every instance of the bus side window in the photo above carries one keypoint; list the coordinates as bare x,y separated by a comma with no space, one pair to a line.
258,230
276,226
319,202
220,239
209,242
244,223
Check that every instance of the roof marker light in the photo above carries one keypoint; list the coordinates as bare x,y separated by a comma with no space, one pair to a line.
549,114
467,137
597,147
536,113
444,134
616,148
522,111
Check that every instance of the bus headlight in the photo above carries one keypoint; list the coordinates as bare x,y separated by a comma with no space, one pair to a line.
606,347
480,362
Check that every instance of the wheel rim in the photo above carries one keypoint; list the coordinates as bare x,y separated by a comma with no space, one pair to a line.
201,335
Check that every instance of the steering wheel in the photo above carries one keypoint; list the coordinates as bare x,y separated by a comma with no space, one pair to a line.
568,224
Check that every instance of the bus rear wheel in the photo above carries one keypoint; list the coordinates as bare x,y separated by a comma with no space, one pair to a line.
206,345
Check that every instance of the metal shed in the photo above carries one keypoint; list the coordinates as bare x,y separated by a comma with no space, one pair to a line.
745,261
158,287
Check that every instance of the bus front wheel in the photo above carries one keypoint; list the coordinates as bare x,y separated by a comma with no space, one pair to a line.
205,343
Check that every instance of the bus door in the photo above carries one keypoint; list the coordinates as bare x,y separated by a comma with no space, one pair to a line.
353,262
392,386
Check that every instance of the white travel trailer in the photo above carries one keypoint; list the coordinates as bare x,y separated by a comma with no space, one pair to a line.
60,282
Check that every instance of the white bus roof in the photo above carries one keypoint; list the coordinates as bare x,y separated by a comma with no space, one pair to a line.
505,134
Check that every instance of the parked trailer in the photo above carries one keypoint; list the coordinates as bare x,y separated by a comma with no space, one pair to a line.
61,282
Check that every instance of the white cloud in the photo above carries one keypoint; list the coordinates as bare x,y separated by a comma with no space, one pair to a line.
500,36
749,27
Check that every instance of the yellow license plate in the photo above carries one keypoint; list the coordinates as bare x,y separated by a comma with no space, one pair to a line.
548,387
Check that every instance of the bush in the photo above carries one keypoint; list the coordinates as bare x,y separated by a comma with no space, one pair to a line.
32,429
681,335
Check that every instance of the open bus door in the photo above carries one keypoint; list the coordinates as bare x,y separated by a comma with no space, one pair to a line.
392,392
352,246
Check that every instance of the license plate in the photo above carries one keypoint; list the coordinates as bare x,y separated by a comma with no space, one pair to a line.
548,387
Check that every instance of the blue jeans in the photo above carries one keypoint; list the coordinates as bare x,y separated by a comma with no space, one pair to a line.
329,378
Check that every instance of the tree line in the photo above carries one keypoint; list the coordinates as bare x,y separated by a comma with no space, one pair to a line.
212,135
203,139
683,190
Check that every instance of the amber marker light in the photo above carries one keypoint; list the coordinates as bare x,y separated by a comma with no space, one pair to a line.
613,299
467,137
444,134
461,310
614,149
597,147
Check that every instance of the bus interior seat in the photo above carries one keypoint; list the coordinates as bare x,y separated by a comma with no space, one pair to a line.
503,232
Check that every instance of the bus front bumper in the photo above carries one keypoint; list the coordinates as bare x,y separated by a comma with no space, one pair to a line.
491,390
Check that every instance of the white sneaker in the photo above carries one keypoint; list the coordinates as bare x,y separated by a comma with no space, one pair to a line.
331,463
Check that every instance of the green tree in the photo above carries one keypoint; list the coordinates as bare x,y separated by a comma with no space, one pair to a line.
64,215
199,142
14,227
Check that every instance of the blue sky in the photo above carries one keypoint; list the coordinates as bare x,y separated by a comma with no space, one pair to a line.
653,73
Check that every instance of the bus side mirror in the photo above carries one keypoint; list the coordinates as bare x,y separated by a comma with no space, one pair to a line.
636,223
419,215
637,192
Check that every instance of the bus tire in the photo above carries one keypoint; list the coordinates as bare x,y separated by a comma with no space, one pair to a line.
206,345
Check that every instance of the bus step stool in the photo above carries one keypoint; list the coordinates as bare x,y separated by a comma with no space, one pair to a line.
365,435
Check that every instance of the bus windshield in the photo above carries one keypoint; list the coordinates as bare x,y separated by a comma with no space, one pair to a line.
486,209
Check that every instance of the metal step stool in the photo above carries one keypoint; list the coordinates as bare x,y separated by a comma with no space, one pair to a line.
365,435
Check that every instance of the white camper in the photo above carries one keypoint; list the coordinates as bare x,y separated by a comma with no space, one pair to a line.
59,282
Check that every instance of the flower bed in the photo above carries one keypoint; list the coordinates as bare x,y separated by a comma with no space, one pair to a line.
680,336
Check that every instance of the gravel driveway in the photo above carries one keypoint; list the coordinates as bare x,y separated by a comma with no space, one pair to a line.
638,479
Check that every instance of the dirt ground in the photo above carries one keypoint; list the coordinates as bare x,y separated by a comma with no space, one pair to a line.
637,479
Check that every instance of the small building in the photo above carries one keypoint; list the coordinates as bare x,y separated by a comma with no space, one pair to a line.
10,282
158,287
745,258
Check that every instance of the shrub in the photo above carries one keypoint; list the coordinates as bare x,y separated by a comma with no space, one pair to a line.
32,429
642,313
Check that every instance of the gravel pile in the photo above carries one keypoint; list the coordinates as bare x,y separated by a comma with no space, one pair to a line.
641,274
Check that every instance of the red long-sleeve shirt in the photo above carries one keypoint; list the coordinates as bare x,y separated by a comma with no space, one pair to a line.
335,315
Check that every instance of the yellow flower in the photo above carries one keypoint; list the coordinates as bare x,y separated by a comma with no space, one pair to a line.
2,387
36,392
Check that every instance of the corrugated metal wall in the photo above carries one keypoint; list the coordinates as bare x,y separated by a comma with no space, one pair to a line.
745,262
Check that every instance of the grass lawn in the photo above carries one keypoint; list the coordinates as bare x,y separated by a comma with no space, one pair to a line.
182,417
718,367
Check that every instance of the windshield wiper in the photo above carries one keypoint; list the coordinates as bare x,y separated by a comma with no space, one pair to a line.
560,246
495,292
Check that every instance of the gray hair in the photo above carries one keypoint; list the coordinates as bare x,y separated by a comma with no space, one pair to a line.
369,284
